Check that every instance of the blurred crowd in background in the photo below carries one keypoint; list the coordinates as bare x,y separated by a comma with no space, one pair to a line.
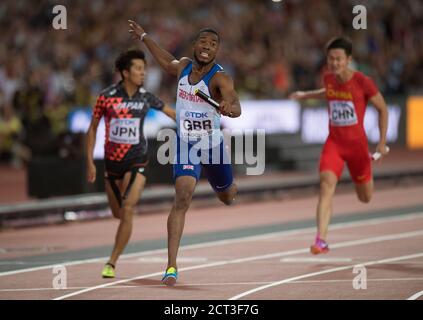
269,48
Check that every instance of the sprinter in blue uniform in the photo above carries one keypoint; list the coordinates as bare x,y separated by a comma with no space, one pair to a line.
200,141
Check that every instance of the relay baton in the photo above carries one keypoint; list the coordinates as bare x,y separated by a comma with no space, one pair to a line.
206,98
377,155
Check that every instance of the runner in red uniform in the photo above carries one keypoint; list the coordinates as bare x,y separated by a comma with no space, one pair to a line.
124,106
347,92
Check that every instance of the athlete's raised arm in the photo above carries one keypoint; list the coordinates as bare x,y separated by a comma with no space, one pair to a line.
167,61
312,94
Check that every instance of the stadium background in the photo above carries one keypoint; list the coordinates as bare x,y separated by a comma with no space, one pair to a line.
49,78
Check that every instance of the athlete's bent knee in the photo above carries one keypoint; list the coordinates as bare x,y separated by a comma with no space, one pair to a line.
227,200
327,187
116,213
364,197
228,197
183,201
126,213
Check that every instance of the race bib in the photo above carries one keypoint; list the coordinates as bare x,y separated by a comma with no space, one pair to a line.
125,131
342,113
195,125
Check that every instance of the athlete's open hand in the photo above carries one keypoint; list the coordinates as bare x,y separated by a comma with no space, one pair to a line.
225,108
135,30
91,172
297,95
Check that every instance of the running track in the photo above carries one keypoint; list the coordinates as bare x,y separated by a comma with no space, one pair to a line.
247,251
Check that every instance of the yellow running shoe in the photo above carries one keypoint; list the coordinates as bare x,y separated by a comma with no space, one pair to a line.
170,276
108,271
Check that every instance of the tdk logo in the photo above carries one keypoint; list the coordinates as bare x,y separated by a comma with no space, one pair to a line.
196,115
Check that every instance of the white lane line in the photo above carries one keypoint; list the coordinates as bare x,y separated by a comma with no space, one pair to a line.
416,296
139,286
313,260
337,226
349,280
135,278
253,258
164,259
214,284
308,275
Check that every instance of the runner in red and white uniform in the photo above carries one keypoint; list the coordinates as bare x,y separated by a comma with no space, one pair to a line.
347,92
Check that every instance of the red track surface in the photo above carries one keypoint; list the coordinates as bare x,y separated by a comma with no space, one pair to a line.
273,266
